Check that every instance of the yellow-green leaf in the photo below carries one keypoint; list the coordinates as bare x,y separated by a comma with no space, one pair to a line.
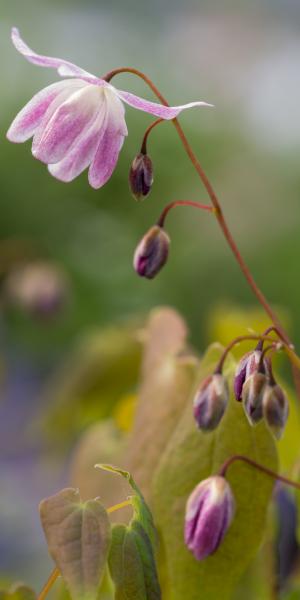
18,591
192,456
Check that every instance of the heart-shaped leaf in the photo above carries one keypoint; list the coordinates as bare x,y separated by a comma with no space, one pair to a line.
78,536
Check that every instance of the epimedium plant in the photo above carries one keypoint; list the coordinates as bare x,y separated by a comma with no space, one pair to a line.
181,454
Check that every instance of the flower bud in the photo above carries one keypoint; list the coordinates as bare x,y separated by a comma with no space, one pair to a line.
141,176
275,408
209,512
248,364
252,395
210,401
152,252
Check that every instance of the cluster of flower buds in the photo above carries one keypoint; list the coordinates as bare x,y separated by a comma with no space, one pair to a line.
262,397
254,385
209,513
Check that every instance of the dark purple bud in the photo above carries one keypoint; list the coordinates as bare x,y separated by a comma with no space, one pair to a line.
152,252
209,512
248,364
252,396
210,401
275,408
141,176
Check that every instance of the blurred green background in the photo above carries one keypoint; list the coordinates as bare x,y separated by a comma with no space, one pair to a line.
241,56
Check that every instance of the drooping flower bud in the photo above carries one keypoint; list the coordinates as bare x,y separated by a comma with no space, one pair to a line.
152,252
209,512
210,401
275,408
248,364
252,396
141,176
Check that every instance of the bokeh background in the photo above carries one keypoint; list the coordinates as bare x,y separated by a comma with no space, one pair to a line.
244,57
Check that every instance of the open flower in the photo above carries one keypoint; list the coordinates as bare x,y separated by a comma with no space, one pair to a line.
78,122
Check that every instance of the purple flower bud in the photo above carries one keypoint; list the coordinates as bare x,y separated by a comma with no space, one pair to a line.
248,364
210,401
152,252
209,512
141,176
275,409
252,396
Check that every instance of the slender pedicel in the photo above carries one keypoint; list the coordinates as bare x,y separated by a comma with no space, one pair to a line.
252,463
146,134
166,210
56,573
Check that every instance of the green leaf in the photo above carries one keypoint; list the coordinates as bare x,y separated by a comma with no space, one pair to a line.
18,591
132,564
131,558
141,513
167,377
78,536
192,456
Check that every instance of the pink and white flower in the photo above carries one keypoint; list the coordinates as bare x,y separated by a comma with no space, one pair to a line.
78,122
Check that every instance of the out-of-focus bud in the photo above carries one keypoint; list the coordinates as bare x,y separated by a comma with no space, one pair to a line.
141,176
152,252
38,288
275,408
210,401
209,512
252,396
248,364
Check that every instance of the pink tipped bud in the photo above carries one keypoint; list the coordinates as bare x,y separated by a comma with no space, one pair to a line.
210,401
248,364
252,396
275,409
209,512
152,252
141,176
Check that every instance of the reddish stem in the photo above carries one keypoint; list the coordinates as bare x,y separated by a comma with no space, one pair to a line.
253,463
169,207
238,340
219,214
145,138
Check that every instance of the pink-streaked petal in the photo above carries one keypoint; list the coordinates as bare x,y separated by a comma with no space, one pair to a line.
72,85
159,110
29,118
81,152
110,144
64,67
68,121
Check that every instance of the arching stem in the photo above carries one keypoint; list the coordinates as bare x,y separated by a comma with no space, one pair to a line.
145,138
169,207
255,465
219,214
